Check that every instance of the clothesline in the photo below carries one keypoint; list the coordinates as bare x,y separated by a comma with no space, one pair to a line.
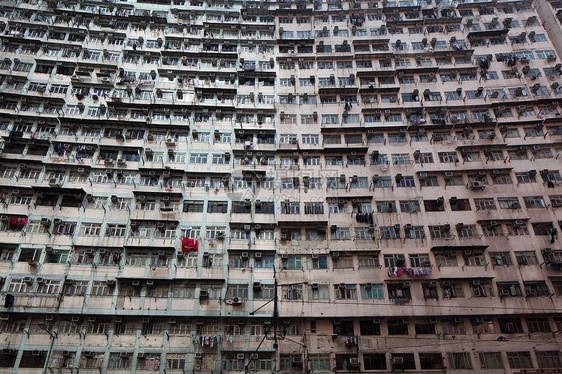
209,341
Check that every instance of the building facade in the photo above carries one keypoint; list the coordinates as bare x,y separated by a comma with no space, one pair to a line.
225,186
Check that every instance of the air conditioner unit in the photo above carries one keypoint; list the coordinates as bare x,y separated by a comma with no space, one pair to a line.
236,300
476,185
397,361
476,283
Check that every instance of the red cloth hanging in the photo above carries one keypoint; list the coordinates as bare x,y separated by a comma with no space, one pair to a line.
13,221
189,245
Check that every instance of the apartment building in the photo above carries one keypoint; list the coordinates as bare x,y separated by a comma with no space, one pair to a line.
225,186
126,130
419,190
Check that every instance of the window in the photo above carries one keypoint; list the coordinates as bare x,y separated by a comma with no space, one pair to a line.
419,260
265,292
491,360
405,181
538,325
538,288
525,177
501,258
116,231
424,158
343,262
198,158
409,206
398,327
292,263
388,232
100,288
509,289
174,361
484,204
319,292
519,360
446,259
545,54
6,254
526,258
439,232
534,202
346,291
57,257
183,291
320,362
374,361
431,361
370,291
446,157
19,286
292,292
429,181
460,361
510,325
341,233
237,290
548,359
90,229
